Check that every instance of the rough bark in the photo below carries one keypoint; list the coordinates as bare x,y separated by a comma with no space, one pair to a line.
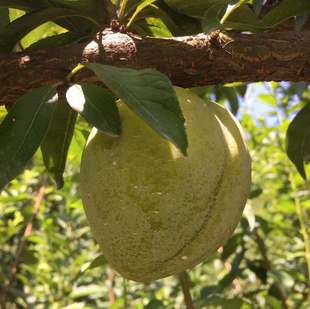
188,61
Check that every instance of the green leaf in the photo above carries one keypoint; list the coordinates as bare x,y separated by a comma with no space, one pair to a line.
28,257
298,139
93,9
17,29
196,8
155,304
212,17
151,95
15,13
99,261
232,98
22,131
227,303
42,32
285,10
154,21
268,99
234,272
56,143
97,106
18,4
256,191
55,40
161,19
4,17
140,7
259,269
152,26
231,246
241,17
257,6
306,148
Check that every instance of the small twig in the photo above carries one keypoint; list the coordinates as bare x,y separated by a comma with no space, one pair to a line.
27,233
111,276
263,251
185,284
23,242
236,282
302,222
125,293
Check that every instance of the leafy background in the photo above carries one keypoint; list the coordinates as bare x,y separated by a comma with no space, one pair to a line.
48,256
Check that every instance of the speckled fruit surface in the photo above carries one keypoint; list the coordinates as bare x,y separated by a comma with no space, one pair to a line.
155,212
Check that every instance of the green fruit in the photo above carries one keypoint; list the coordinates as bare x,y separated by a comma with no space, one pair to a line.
194,8
155,212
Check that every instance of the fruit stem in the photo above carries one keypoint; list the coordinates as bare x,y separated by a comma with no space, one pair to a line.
185,284
125,293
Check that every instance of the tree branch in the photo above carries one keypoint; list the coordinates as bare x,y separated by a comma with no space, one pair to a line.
188,61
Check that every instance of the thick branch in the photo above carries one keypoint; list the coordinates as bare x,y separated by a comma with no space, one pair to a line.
188,61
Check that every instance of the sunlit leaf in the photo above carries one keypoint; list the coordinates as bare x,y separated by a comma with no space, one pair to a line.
45,31
158,28
165,19
268,99
142,5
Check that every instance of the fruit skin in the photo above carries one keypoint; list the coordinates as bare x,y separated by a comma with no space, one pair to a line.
154,212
